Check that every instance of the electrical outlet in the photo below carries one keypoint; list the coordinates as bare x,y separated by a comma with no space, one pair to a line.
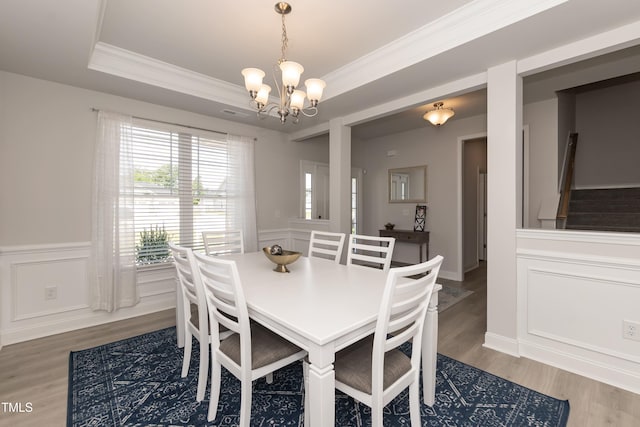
50,292
631,330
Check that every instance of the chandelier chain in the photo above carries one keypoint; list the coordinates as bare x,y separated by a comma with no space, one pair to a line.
285,42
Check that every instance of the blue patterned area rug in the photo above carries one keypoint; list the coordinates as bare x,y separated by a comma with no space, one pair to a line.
136,382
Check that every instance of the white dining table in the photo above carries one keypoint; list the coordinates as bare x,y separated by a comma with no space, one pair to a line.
323,307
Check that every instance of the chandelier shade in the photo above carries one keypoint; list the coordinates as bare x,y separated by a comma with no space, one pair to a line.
297,99
253,79
262,98
291,72
292,100
440,115
315,87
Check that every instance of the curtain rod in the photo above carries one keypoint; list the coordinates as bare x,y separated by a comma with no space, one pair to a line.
95,110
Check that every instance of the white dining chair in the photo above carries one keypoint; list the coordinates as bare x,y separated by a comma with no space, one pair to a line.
370,251
252,351
374,370
223,242
192,292
327,245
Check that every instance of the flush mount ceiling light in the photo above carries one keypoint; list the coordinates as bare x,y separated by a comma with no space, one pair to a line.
440,115
292,100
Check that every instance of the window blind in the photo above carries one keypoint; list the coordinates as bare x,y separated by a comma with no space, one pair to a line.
180,187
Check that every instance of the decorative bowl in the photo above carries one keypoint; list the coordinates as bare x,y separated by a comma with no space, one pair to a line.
283,260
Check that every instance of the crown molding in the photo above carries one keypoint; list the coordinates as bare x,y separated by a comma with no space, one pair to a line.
474,20
477,19
599,44
310,132
120,62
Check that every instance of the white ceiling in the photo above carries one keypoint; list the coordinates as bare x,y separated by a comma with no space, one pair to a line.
188,54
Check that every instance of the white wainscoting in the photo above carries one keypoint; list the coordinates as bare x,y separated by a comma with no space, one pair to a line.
301,232
27,271
575,289
280,237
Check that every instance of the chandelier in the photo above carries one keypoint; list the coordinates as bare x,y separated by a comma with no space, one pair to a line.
440,115
292,100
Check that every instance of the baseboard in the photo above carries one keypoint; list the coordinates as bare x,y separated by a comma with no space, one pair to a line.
472,267
449,275
608,373
502,344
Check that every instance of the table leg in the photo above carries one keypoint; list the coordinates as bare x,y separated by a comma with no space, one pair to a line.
430,350
179,314
320,390
322,396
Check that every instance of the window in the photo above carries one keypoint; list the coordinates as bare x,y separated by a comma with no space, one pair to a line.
180,188
354,205
356,200
314,190
308,193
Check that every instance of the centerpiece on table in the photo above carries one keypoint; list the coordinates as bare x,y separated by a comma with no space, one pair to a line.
280,257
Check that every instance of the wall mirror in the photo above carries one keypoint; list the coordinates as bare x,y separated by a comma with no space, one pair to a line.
408,185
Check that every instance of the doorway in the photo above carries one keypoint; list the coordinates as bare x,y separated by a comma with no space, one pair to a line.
482,215
473,169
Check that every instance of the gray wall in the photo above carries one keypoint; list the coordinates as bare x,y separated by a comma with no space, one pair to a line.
541,122
566,124
608,124
47,134
439,149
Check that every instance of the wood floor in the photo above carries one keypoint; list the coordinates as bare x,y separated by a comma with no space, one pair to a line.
37,371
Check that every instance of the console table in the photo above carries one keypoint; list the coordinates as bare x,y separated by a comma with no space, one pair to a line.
420,238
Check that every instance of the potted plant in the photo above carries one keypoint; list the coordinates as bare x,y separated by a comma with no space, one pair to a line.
153,246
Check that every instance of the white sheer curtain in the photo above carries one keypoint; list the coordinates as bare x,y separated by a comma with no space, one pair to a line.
241,196
113,234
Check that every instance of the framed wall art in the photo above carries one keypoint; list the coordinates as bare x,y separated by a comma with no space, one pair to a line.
421,216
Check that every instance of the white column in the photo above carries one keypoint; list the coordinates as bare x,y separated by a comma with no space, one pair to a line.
339,176
504,141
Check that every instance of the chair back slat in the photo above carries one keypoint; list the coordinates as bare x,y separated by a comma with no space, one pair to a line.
396,340
224,296
223,242
327,245
370,251
407,297
192,291
185,274
221,296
